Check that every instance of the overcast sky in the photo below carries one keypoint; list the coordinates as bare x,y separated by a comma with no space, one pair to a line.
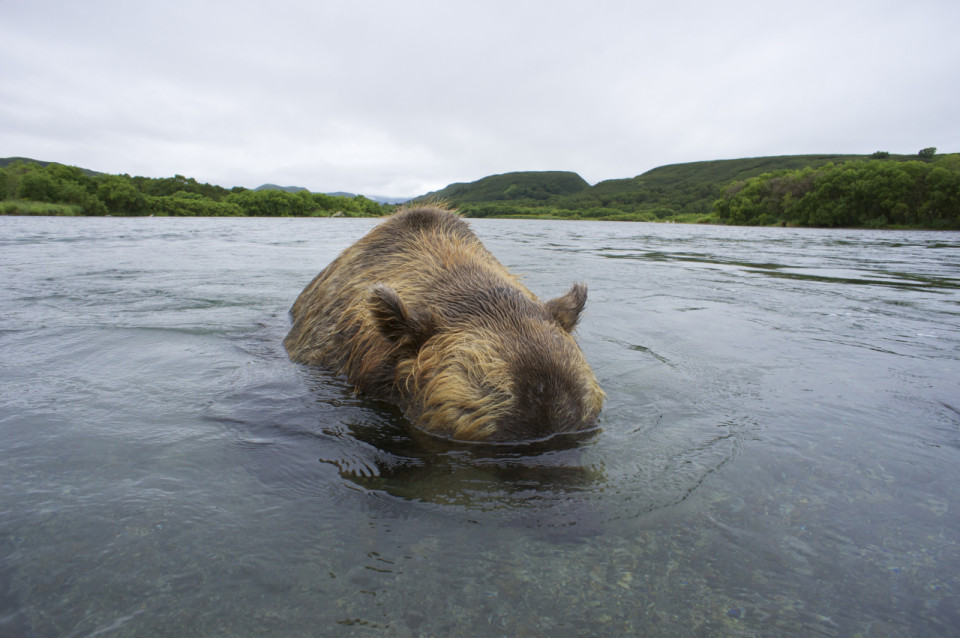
397,98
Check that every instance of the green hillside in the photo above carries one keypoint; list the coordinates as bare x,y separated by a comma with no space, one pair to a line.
691,188
527,185
28,187
7,161
274,187
672,189
878,191
677,192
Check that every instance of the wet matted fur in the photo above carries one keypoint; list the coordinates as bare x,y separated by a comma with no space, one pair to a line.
420,313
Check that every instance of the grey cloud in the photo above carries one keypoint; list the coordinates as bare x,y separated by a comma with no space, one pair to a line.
399,98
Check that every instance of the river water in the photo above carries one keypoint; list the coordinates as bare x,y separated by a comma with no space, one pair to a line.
779,452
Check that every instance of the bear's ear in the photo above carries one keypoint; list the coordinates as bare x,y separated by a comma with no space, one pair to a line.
396,322
566,310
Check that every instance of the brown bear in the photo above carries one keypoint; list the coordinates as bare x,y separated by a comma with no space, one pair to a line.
420,313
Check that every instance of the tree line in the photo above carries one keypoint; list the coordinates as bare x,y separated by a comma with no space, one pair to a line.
55,189
880,191
868,193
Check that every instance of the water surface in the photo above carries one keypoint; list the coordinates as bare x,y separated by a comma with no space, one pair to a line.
778,454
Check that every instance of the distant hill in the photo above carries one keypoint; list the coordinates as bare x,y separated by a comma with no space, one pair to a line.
388,200
297,189
6,161
678,192
663,192
274,187
377,198
716,171
528,185
692,187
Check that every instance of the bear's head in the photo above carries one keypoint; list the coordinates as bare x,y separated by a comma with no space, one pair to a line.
497,367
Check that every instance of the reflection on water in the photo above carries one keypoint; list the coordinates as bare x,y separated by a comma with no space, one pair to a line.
374,448
818,273
778,454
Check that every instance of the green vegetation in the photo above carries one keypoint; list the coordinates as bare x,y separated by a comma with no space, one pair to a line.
274,187
879,190
39,208
698,192
42,188
529,185
878,194
674,192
